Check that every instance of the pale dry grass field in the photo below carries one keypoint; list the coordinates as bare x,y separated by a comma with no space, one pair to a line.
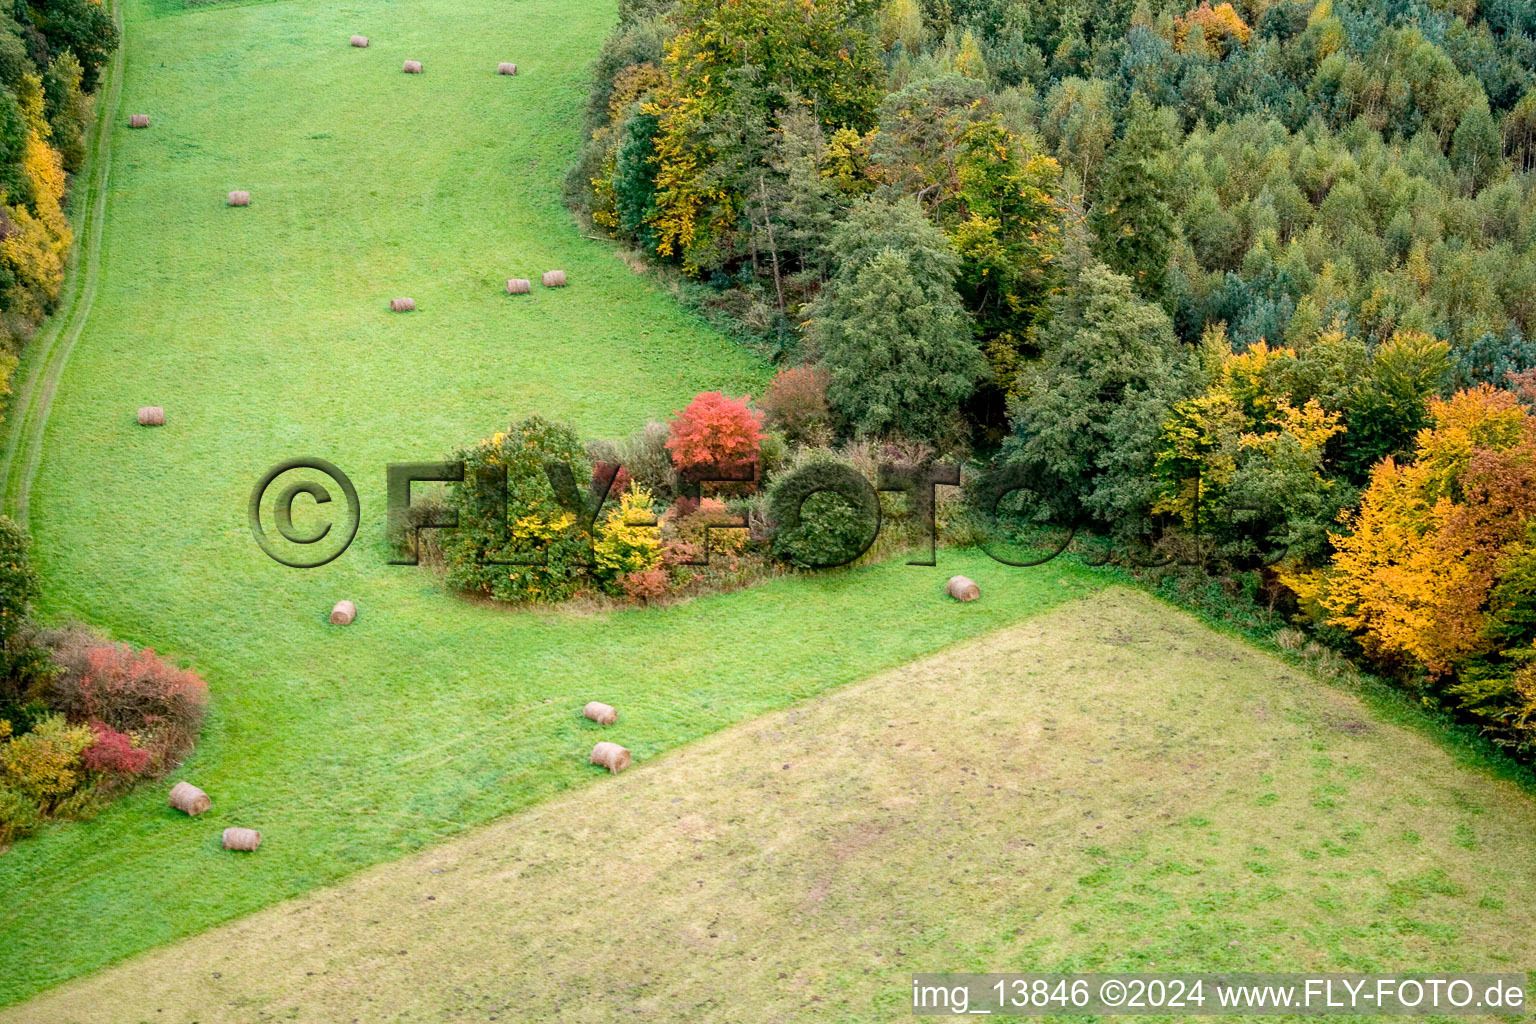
1109,785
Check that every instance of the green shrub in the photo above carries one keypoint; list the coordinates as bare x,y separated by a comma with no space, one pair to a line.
825,514
18,580
25,667
533,548
772,453
19,816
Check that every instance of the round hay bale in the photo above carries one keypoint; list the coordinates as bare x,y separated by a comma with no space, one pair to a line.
239,199
360,41
602,714
188,799
243,839
519,286
401,305
138,120
554,279
413,67
506,69
152,416
611,756
962,589
343,613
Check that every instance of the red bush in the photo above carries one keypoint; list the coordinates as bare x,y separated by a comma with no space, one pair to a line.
715,433
129,691
645,585
676,552
621,480
114,754
797,399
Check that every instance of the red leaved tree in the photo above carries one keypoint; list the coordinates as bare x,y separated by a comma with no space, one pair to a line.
129,690
716,438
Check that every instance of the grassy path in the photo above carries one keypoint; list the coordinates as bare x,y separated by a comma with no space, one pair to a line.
264,332
46,357
1109,786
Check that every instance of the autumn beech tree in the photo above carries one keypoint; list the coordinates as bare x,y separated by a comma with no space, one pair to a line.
1435,569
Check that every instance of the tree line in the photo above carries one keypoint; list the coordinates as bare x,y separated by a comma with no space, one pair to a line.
52,54
1264,266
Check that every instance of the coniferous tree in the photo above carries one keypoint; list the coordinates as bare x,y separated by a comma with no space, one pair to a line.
894,337
1131,217
1091,411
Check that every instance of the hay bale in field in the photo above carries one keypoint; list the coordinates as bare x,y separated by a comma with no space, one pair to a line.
360,41
602,714
554,279
401,305
239,199
413,67
519,286
343,613
152,416
188,799
611,756
138,120
243,839
962,589
506,69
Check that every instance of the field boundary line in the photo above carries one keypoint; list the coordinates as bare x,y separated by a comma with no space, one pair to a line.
46,357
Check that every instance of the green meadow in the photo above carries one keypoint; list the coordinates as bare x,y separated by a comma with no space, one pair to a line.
265,333
1108,786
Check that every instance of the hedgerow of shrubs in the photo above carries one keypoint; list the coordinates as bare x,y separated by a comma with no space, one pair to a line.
81,718
678,508
825,513
713,502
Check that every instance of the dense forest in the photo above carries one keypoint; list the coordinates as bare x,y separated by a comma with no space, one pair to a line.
52,54
1256,280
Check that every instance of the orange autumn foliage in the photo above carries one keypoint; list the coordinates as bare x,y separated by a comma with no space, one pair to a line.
1432,537
1221,22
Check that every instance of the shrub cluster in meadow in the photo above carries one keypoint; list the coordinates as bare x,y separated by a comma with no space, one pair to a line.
718,497
635,531
82,719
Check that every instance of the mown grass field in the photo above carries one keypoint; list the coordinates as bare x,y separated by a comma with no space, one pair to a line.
1109,786
265,333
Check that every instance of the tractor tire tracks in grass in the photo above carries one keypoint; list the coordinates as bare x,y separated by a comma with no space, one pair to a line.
46,357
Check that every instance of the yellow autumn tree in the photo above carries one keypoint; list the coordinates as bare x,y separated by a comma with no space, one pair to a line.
1412,570
628,539
1242,421
39,241
1219,24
